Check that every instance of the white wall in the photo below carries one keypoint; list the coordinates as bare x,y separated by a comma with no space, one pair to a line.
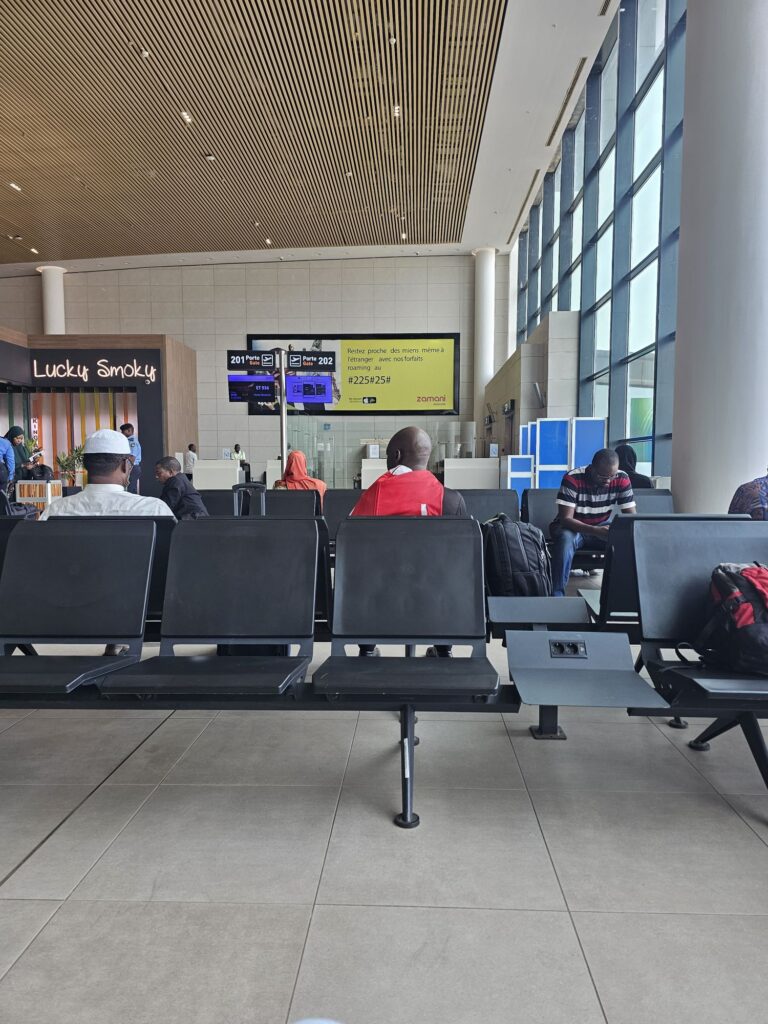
211,307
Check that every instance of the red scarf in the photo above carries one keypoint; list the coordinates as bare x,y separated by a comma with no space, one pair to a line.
418,493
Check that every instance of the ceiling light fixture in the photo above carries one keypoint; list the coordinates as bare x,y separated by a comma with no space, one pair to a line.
349,174
35,251
14,186
145,54
396,110
17,238
268,241
403,235
392,41
186,117
209,157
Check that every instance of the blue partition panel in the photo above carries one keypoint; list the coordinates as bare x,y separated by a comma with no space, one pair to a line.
519,473
532,439
524,443
587,437
553,443
549,477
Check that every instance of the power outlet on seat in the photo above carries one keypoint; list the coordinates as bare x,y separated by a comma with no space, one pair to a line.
567,649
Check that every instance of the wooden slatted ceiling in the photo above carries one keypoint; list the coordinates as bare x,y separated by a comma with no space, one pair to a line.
294,98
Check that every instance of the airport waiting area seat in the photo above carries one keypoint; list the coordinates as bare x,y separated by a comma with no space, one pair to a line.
248,582
395,586
287,504
483,504
674,560
83,586
337,505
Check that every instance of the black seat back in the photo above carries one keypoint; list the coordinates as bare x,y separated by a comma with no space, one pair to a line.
409,580
285,504
485,504
250,496
656,501
674,559
7,525
244,579
337,504
86,582
219,503
539,507
618,593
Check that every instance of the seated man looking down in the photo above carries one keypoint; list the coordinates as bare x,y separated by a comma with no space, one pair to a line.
751,499
585,502
409,489
108,462
178,493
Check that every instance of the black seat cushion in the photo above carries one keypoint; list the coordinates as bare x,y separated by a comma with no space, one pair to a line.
406,676
209,674
713,681
55,673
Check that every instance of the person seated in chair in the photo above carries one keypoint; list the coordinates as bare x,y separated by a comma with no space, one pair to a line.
585,501
628,464
751,499
409,489
296,477
178,493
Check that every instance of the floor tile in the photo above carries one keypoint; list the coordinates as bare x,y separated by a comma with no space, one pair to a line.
605,757
467,755
284,750
728,764
68,750
20,921
27,815
254,844
12,717
377,965
195,713
529,714
290,716
680,853
754,810
474,848
53,871
170,963
701,969
97,714
155,758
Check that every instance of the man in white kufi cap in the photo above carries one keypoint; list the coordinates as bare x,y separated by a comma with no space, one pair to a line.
108,462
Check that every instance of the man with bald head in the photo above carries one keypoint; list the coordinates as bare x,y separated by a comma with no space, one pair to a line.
408,488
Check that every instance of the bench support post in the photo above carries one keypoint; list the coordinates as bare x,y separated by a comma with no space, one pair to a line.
407,818
677,723
754,737
547,729
717,728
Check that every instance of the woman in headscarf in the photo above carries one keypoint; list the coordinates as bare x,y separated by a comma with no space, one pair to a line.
21,453
296,478
628,463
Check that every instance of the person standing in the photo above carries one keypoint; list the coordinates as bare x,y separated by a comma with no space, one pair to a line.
178,493
21,453
7,463
128,432
585,503
190,458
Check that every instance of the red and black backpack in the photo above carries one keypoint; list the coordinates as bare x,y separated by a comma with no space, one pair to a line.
736,633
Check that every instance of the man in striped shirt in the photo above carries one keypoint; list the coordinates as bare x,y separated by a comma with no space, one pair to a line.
585,501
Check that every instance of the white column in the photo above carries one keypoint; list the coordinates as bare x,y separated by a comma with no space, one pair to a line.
54,320
720,431
485,323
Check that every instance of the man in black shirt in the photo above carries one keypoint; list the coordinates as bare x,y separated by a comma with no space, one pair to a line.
178,493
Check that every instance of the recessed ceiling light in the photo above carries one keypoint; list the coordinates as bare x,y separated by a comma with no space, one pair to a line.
403,235
281,258
396,110
17,238
14,186
209,157
35,251
268,241
349,174
256,224
186,117
392,41
145,54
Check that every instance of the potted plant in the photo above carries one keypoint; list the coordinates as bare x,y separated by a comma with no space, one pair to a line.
69,464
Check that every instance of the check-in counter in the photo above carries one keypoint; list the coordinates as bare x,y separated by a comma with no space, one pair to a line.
469,474
217,474
372,470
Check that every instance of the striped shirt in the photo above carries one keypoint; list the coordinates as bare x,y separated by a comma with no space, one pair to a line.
592,503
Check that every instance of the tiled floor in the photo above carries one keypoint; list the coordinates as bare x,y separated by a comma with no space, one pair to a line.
243,868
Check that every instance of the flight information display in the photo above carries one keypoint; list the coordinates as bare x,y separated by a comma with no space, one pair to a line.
248,387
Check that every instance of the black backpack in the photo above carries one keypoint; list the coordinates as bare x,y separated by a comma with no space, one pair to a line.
736,632
516,559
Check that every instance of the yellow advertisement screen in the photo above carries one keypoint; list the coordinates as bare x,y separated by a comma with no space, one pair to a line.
380,373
